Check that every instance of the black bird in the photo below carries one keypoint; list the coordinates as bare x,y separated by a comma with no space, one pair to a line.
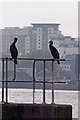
14,51
54,52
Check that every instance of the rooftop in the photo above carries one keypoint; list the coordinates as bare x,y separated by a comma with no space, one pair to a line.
45,24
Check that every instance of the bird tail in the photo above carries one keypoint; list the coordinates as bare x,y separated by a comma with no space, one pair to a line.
15,61
58,61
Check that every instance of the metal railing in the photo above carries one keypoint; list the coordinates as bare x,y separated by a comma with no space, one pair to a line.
5,80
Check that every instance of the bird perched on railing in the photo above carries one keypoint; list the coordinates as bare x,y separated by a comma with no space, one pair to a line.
54,51
14,51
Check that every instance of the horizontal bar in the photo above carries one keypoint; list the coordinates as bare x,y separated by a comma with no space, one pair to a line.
36,59
37,81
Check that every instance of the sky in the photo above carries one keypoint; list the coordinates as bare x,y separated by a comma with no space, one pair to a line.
22,13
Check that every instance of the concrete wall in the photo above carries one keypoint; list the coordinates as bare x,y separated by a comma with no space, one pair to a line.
36,112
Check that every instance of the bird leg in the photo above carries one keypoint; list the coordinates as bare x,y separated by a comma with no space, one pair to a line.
14,71
14,68
11,59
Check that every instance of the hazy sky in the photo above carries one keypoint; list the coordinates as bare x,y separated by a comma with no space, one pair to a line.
20,14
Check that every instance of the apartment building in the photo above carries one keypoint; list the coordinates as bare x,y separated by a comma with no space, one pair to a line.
6,38
36,37
42,34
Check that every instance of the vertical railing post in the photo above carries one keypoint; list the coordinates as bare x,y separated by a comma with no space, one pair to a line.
52,81
2,80
6,79
33,80
14,72
43,81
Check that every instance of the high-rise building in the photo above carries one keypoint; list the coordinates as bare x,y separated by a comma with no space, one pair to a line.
42,34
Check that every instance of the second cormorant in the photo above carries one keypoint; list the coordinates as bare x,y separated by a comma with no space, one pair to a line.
54,51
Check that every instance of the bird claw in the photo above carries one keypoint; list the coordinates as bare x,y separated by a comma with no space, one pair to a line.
53,59
13,79
10,58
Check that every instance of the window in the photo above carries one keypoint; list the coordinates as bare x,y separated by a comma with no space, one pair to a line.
38,29
39,36
50,29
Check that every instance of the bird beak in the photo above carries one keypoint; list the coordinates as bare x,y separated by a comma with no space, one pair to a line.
49,42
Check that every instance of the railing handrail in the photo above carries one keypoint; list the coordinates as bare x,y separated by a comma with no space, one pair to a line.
37,81
6,81
36,59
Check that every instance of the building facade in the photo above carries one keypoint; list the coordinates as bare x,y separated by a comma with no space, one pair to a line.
7,36
36,37
42,34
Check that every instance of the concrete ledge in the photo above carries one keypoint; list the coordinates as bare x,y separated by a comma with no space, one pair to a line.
14,111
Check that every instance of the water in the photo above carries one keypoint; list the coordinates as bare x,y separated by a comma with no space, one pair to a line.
60,97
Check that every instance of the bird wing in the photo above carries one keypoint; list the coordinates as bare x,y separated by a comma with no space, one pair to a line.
14,52
54,52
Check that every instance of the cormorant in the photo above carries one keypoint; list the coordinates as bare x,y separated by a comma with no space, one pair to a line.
14,51
54,52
